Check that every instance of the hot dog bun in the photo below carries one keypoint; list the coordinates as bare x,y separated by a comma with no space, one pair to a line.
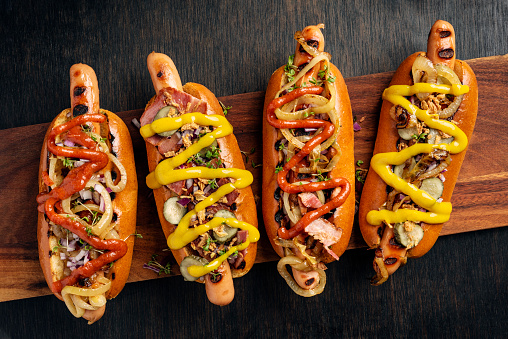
230,156
272,194
345,168
374,193
84,96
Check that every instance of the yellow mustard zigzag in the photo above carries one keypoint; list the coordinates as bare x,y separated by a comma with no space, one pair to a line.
438,212
165,174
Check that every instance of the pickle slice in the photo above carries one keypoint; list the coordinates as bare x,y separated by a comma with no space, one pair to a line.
163,113
433,186
227,232
173,211
191,260
408,234
407,133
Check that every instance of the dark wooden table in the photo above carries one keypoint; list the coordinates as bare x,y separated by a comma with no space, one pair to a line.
457,290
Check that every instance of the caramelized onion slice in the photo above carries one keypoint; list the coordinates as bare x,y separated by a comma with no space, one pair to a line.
293,260
445,75
423,71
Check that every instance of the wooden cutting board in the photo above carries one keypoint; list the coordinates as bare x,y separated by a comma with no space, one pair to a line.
479,201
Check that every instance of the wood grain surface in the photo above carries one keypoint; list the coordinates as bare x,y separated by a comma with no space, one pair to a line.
472,199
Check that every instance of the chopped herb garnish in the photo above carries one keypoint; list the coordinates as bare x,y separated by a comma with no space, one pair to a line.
322,73
69,163
137,235
360,176
154,265
213,152
320,176
207,245
213,183
89,231
96,217
252,150
254,165
278,169
225,109
420,137
290,69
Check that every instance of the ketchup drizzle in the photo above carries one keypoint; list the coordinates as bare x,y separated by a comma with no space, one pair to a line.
74,182
328,129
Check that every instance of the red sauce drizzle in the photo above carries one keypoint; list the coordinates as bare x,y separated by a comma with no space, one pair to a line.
74,182
328,129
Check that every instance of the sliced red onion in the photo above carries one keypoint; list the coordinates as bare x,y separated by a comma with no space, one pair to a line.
401,196
442,177
136,123
85,194
195,189
102,205
80,255
324,151
62,256
185,133
98,188
71,246
87,160
69,143
207,189
356,127
432,166
78,163
310,129
96,197
422,209
86,258
109,190
59,144
184,201
189,183
155,269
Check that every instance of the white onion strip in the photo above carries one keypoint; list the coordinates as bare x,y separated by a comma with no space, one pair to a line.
72,296
123,175
314,61
293,260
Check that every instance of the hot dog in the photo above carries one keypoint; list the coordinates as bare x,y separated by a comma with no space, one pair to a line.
427,117
201,188
87,201
308,164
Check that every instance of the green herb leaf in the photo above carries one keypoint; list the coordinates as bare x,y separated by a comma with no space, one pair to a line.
225,109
